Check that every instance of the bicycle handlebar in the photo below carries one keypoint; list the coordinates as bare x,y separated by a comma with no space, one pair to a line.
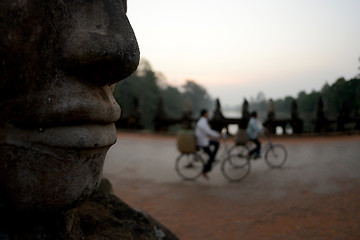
223,135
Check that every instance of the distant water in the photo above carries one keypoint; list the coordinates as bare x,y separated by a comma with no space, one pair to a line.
232,113
233,128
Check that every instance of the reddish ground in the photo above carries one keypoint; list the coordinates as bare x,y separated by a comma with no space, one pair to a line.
315,196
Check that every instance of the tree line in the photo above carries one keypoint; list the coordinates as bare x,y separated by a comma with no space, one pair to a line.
342,98
145,89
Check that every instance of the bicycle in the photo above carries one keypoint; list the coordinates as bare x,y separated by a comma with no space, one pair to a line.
234,168
275,153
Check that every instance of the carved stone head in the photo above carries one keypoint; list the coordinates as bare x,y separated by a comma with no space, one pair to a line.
58,62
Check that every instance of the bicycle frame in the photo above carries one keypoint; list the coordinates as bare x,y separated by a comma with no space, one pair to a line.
226,149
223,152
189,166
268,145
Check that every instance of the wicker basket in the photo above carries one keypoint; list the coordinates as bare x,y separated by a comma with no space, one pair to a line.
186,141
241,137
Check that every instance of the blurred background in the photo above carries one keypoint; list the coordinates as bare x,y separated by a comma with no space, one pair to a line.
294,62
196,52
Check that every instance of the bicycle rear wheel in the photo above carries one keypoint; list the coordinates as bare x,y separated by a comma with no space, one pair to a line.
235,168
189,166
242,151
276,155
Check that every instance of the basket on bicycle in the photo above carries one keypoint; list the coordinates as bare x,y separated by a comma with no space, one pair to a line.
185,141
241,137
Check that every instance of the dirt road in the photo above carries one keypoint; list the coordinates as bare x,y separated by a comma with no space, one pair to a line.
316,195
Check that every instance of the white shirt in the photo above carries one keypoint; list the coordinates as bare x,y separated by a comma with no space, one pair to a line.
253,128
203,132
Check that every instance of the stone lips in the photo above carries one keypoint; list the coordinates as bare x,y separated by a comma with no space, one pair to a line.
71,102
65,137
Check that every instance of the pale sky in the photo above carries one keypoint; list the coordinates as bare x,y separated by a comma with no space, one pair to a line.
236,48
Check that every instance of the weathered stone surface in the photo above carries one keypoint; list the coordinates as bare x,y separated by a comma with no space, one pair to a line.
102,217
58,60
218,120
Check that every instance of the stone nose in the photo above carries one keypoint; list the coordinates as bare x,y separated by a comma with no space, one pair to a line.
101,46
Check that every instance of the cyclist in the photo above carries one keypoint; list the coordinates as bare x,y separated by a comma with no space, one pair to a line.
252,130
205,138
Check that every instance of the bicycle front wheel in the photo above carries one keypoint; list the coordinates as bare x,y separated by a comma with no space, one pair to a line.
276,155
235,168
189,166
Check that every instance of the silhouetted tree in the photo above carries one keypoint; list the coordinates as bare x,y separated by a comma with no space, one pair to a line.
148,87
198,97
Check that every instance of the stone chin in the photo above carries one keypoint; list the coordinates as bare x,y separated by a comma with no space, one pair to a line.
36,177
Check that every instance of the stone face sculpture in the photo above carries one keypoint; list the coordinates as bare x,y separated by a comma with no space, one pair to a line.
218,120
321,123
271,110
296,122
245,115
58,62
187,114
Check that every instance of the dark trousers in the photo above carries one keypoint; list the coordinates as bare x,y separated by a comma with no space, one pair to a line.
211,151
257,148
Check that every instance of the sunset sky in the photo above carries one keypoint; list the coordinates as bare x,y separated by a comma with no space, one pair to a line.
236,48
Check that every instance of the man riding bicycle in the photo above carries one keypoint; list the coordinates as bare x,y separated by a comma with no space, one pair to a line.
252,130
205,138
